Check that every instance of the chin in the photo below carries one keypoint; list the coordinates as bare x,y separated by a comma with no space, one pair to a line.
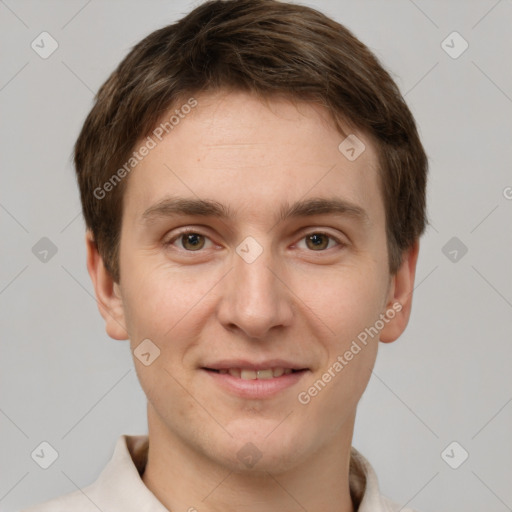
264,450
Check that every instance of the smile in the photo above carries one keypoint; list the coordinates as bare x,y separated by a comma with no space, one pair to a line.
249,374
254,381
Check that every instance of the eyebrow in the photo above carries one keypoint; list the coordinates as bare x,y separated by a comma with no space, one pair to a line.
173,206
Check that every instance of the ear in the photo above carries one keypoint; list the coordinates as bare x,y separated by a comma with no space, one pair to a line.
108,294
399,300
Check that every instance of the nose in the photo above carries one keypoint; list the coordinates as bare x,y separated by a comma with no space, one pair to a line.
255,298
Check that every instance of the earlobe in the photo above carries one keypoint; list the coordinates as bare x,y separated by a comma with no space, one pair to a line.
108,295
399,301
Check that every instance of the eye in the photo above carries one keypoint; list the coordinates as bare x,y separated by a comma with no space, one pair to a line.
189,241
192,241
318,241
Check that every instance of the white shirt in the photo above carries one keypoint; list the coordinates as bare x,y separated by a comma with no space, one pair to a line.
120,488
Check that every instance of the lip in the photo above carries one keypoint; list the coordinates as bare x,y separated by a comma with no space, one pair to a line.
257,389
226,364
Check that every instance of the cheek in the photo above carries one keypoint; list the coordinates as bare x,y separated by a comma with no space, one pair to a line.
343,302
163,304
350,304
333,397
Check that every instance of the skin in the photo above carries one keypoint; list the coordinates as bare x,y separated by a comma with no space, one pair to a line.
295,301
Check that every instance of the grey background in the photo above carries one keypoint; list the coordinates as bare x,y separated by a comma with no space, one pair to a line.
448,378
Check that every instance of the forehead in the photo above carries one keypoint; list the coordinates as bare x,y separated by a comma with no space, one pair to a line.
253,157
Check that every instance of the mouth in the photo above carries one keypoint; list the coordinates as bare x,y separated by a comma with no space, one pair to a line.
250,374
254,381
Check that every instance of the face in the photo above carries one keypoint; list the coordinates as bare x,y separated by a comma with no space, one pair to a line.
253,257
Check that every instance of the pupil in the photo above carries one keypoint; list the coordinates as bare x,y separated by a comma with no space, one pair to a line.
318,240
193,240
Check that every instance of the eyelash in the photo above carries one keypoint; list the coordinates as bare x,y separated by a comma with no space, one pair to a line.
177,236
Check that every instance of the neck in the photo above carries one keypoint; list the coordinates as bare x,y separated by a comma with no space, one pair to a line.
185,480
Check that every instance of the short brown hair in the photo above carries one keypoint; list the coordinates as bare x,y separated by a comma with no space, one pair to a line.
265,47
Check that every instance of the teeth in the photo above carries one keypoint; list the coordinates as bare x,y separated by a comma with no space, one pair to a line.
265,374
247,374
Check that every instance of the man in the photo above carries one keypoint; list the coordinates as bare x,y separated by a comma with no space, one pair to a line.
253,186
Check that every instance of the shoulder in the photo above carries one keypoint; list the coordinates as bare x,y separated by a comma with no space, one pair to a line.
390,506
118,487
75,501
364,487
